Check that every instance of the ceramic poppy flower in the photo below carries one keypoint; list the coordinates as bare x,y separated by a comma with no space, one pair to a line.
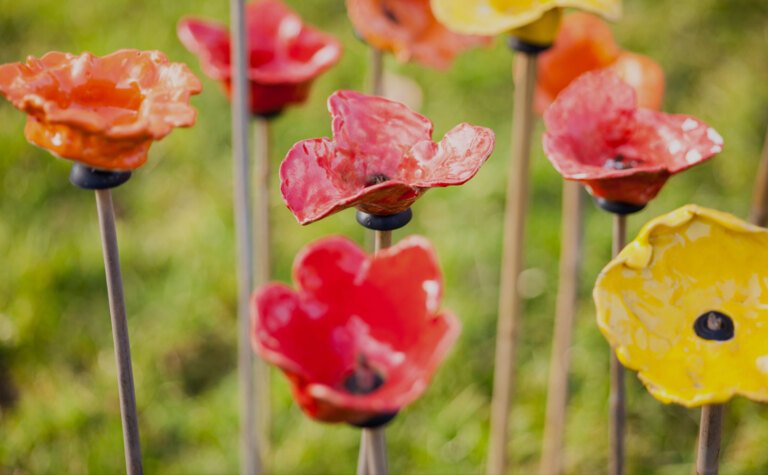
686,305
598,136
104,112
585,43
362,335
285,55
381,159
538,19
409,30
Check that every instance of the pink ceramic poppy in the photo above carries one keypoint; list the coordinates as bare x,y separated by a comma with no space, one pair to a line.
362,335
597,135
285,55
381,159
104,112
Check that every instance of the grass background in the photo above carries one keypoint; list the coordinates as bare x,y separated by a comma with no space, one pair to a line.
58,401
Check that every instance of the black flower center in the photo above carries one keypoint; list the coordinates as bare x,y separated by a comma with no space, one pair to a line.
714,325
619,162
387,11
364,379
375,179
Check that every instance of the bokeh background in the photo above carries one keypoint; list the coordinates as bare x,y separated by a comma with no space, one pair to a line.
58,398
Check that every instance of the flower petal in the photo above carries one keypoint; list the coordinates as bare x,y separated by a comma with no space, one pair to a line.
375,132
650,297
455,160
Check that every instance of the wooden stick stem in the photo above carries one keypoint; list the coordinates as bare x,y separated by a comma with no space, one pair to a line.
263,268
552,457
512,262
122,344
376,72
372,459
710,431
616,398
759,213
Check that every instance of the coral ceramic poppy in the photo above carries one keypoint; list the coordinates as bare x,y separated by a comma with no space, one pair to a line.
361,336
598,136
285,55
409,30
104,112
686,305
492,17
381,159
585,43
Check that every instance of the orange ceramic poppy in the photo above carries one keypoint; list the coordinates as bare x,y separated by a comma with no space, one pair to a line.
585,43
103,112
409,30
644,75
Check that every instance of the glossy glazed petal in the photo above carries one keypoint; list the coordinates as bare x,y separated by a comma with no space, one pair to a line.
492,17
381,159
101,111
352,311
285,55
598,136
409,30
682,266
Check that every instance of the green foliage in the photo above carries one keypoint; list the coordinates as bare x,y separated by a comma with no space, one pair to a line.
58,400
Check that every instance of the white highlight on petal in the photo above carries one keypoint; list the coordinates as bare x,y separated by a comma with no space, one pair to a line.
692,156
432,289
689,125
714,136
762,364
675,146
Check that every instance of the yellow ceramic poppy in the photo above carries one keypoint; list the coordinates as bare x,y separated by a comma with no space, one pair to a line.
686,305
536,20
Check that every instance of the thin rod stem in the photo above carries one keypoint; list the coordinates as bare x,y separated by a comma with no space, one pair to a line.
512,262
376,72
263,267
616,398
250,463
122,343
759,213
362,456
372,458
552,457
377,451
710,431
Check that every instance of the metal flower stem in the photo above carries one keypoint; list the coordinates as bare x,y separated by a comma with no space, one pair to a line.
250,462
616,398
759,213
263,266
571,234
372,459
119,332
512,262
710,431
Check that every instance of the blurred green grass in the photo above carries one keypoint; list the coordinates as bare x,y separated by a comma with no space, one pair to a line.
58,399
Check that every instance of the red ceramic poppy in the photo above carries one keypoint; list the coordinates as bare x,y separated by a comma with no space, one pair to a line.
103,112
597,135
408,29
585,43
362,335
381,159
285,55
